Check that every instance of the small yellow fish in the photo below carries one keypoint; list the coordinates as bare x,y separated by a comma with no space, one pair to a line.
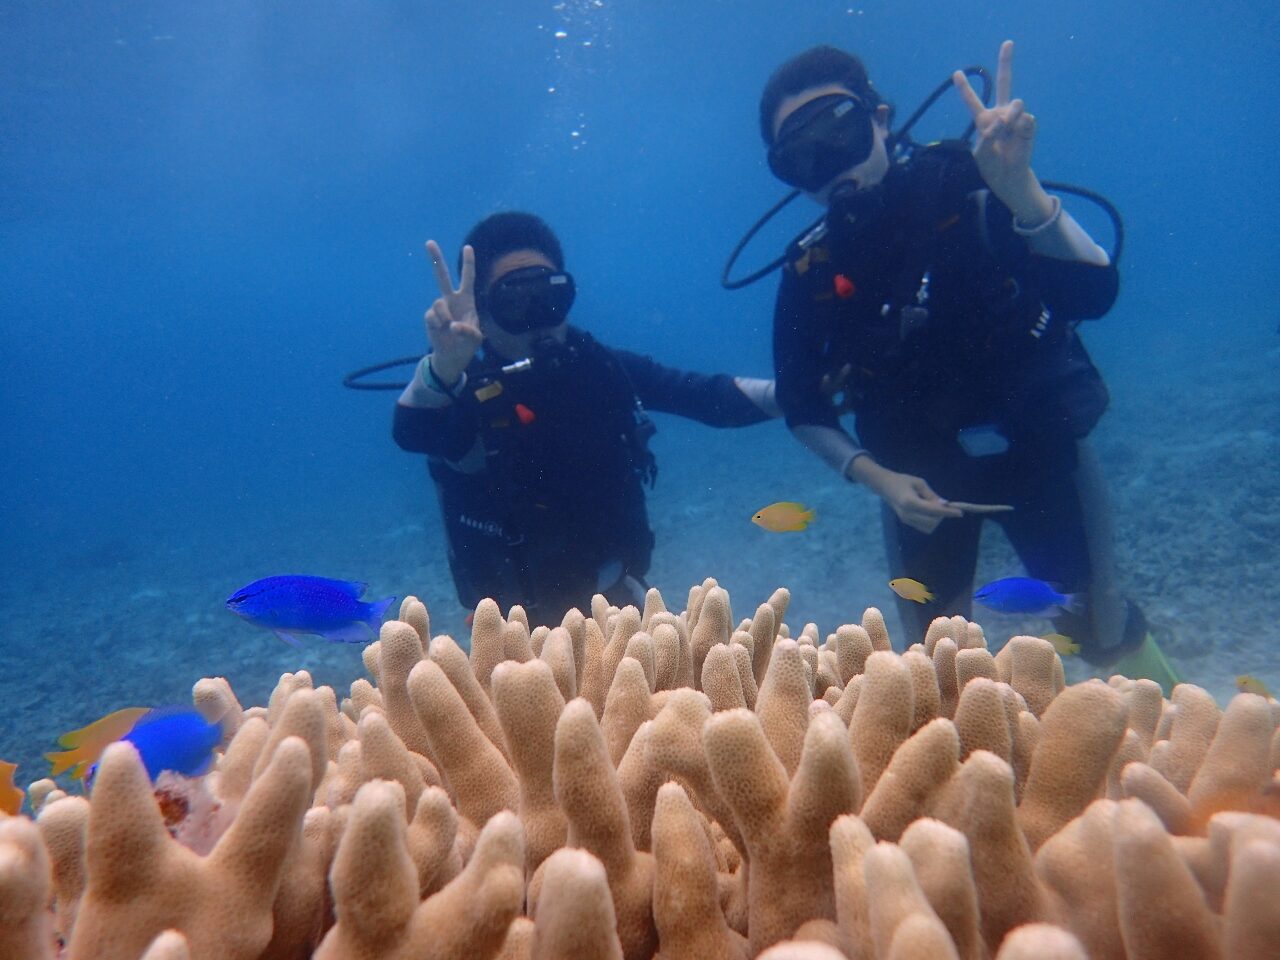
10,795
1065,646
909,589
1248,683
87,743
785,516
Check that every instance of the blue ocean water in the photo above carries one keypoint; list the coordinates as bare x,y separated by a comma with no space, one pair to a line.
210,213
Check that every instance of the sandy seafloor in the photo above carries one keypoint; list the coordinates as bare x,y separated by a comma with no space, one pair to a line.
93,626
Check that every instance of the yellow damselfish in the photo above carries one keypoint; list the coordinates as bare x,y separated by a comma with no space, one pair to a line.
1248,683
785,516
10,795
909,589
87,743
1065,646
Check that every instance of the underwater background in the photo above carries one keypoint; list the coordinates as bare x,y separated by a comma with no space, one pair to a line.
209,214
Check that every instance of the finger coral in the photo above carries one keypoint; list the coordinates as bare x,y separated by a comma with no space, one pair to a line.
661,783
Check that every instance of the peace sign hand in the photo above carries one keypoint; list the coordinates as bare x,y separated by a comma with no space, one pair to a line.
453,326
1006,135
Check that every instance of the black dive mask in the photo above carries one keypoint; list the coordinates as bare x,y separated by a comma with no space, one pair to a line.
822,140
530,298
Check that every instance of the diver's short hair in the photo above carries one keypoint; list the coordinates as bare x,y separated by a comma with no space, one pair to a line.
816,67
501,233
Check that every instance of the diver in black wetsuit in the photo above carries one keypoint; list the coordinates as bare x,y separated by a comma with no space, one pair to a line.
536,434
942,299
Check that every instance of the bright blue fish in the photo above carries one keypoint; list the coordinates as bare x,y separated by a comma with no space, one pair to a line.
295,605
173,738
1024,595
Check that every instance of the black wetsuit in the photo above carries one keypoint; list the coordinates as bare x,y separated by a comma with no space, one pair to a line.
540,473
961,342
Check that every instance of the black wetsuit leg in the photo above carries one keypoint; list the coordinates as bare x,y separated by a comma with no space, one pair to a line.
944,561
1104,622
1047,532
1060,529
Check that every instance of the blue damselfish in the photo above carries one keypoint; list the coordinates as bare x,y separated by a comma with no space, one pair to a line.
1024,595
290,606
177,739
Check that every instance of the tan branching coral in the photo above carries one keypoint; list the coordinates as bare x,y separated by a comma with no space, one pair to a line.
574,917
375,889
141,882
529,703
170,945
783,821
686,899
1080,731
479,778
26,929
940,859
1040,941
660,783
586,786
64,826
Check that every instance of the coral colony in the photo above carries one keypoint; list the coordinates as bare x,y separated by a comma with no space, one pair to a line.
637,784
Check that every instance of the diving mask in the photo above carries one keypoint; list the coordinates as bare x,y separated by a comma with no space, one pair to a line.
530,298
821,140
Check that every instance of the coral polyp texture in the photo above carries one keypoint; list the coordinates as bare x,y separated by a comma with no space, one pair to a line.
643,783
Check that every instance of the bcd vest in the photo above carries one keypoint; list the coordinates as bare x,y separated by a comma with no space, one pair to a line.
560,495
942,326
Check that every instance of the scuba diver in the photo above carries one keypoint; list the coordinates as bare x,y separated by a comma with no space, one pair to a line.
940,297
537,435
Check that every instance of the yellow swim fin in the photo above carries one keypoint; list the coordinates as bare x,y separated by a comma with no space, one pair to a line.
1149,662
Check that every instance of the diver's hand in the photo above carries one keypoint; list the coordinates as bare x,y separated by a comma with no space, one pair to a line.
910,498
1006,136
453,326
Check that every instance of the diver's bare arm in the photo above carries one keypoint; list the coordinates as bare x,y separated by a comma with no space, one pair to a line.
833,446
1063,239
1048,229
761,393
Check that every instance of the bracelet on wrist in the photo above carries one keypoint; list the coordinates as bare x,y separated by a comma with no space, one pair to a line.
1054,215
847,472
433,378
